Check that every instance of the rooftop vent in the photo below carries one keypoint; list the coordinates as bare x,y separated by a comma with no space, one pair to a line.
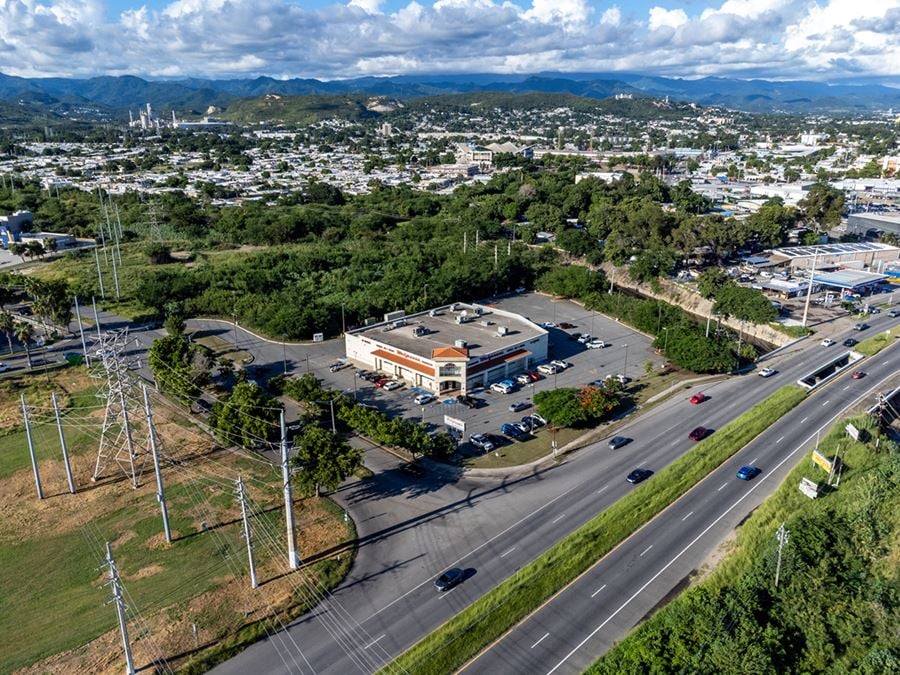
460,343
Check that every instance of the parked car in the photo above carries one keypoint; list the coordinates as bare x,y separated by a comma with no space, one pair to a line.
699,397
504,387
391,385
827,342
849,342
560,364
548,324
565,325
381,381
525,426
699,434
584,338
617,442
767,372
535,421
533,375
470,402
422,399
337,365
481,441
638,475
748,472
523,379
546,369
539,418
510,430
518,405
595,344
449,579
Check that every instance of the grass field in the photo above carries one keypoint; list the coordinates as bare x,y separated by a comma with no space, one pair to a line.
873,345
54,614
485,620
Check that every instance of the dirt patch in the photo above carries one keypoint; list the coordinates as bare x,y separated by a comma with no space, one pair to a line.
711,561
148,571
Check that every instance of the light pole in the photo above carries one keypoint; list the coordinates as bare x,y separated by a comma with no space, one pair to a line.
234,320
284,354
666,341
426,296
625,367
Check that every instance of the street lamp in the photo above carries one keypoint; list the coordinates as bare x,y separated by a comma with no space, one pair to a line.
666,341
284,354
625,367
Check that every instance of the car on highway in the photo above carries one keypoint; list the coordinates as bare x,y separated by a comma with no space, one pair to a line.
449,579
547,369
767,372
698,398
422,399
481,441
849,342
391,385
504,387
748,472
638,475
860,326
827,342
560,364
510,430
4,367
518,405
894,313
699,434
617,442
595,344
858,375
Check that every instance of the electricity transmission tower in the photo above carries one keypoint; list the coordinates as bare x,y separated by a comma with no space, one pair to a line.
117,442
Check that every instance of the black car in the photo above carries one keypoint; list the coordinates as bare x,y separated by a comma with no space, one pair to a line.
449,579
849,342
470,401
638,475
617,442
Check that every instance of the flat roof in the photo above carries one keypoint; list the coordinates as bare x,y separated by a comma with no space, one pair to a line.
848,278
846,248
480,332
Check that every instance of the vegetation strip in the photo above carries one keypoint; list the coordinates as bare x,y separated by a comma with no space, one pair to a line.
463,636
873,345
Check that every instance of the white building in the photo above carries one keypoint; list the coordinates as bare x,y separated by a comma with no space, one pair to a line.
455,348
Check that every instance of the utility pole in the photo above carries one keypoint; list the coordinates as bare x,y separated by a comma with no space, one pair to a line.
62,443
81,331
465,241
247,535
99,273
115,274
116,585
96,318
781,535
344,320
625,367
34,466
160,492
812,276
288,498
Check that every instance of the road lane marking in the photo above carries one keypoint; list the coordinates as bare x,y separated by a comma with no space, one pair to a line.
675,443
373,642
846,388
506,553
598,590
540,641
753,461
724,485
557,519
884,363
645,550
803,420
714,523
687,516
780,439
826,403
603,488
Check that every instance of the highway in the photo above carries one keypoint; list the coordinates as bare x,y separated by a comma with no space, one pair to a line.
586,619
411,530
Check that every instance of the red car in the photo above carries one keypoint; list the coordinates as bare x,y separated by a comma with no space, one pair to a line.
698,434
533,375
858,375
381,382
699,397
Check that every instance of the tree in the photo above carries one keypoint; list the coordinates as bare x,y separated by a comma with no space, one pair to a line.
598,401
158,253
324,459
7,325
175,368
652,263
823,205
710,281
561,407
24,333
745,304
248,417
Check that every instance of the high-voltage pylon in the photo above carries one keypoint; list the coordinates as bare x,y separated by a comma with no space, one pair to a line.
123,408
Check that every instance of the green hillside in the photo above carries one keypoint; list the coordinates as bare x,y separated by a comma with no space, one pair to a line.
274,108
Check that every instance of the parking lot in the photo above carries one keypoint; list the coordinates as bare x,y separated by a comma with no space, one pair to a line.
586,365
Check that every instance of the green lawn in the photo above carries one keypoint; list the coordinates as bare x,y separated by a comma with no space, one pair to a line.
873,345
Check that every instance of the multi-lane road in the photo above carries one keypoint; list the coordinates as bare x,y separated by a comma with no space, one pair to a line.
493,528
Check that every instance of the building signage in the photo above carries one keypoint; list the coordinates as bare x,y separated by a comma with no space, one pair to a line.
822,461
454,423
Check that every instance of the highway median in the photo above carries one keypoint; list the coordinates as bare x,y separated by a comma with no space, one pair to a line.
463,637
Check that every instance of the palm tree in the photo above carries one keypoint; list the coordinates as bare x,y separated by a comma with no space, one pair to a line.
7,325
24,332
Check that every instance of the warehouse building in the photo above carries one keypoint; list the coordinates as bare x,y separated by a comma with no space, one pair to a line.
835,256
451,349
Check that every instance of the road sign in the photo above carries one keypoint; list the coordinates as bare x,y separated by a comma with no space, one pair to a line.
852,431
809,488
822,461
454,423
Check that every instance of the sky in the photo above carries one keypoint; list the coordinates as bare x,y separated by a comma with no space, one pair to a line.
826,40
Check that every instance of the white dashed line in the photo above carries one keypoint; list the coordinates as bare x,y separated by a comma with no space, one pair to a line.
506,553
803,420
884,363
753,461
724,485
846,388
603,488
598,590
557,519
540,641
645,550
780,439
687,516
373,642
826,403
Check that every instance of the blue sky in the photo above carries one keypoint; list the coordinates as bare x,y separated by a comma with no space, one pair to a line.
777,39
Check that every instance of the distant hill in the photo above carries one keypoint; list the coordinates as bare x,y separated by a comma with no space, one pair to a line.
195,95
276,108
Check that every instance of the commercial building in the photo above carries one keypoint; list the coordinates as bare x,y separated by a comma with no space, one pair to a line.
451,349
873,222
834,256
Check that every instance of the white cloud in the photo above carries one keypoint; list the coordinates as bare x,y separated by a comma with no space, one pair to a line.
368,6
666,18
612,16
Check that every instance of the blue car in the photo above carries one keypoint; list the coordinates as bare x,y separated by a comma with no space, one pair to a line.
748,472
510,430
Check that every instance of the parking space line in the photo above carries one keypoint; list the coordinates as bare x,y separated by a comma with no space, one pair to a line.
724,485
540,641
687,516
507,552
645,550
598,590
557,519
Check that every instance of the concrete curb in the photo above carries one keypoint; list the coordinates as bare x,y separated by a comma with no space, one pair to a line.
775,352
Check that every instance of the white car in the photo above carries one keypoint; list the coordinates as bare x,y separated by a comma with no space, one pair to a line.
559,363
393,384
827,342
422,399
767,372
523,379
481,441
584,339
548,324
502,387
595,344
546,369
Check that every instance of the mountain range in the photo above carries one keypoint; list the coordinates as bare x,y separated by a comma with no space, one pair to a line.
116,94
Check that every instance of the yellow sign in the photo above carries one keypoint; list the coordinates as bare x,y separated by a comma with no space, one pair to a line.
822,460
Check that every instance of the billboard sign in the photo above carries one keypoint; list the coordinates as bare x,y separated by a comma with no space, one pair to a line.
454,423
809,488
822,461
318,337
852,432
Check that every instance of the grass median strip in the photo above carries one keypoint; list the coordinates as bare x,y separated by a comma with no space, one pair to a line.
874,344
489,617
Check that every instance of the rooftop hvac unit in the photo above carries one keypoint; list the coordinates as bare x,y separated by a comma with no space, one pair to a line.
460,343
486,324
460,319
478,311
502,331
